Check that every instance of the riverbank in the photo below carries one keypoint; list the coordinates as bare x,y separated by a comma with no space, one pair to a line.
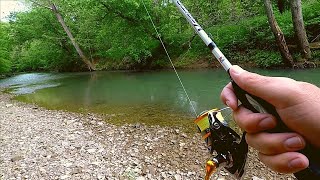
36,143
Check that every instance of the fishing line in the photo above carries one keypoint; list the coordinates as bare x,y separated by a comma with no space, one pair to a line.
165,49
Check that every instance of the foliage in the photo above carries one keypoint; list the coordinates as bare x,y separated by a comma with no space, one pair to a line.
265,58
39,55
119,35
5,63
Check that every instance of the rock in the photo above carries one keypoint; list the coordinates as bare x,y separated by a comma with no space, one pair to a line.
141,178
152,170
100,176
177,177
256,178
76,170
173,141
149,176
42,170
16,158
221,178
101,150
95,163
91,151
137,170
137,126
163,174
68,164
61,145
9,105
223,173
135,163
184,135
144,170
175,163
65,177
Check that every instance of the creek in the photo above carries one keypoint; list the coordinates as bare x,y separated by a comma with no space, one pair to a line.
132,97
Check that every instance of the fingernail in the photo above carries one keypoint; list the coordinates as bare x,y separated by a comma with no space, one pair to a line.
294,143
228,103
296,164
236,70
266,123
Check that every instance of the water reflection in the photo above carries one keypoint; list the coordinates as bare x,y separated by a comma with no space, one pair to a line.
135,94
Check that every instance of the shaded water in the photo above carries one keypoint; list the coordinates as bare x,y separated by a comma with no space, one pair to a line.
149,97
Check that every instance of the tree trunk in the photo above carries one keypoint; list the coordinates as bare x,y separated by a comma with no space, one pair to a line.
233,6
90,65
280,39
299,29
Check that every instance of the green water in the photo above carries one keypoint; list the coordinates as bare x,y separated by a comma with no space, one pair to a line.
128,97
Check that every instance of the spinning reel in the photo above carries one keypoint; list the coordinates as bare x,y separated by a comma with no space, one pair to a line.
227,149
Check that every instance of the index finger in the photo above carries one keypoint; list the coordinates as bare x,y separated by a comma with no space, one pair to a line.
228,97
279,91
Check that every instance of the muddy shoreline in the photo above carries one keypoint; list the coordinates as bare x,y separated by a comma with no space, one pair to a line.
36,143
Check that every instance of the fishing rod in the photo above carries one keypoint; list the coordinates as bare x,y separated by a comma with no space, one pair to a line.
253,103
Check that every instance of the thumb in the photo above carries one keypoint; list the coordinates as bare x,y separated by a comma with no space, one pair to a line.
275,90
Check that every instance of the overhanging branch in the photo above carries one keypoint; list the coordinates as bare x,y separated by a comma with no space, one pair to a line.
41,5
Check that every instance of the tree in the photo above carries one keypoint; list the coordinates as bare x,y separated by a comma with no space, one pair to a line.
90,65
5,64
280,39
39,43
299,29
55,10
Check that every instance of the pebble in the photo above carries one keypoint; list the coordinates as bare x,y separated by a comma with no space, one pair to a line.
91,150
65,177
16,158
47,144
68,164
256,178
177,177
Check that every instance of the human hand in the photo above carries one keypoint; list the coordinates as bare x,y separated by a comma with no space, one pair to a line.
297,103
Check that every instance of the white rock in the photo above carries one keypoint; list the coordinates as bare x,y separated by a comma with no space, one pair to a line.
177,177
101,150
221,178
91,150
141,178
68,164
95,163
9,105
64,176
256,178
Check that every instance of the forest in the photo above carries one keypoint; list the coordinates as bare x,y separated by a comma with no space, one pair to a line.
73,35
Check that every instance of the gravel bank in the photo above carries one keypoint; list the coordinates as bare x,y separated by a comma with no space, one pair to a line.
36,143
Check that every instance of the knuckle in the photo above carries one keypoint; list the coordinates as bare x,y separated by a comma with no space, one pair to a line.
249,127
246,120
265,143
254,79
305,88
273,164
247,81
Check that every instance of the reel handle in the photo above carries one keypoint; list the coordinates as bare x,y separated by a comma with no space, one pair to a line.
258,105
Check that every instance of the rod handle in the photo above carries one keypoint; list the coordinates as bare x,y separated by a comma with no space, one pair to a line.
258,105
